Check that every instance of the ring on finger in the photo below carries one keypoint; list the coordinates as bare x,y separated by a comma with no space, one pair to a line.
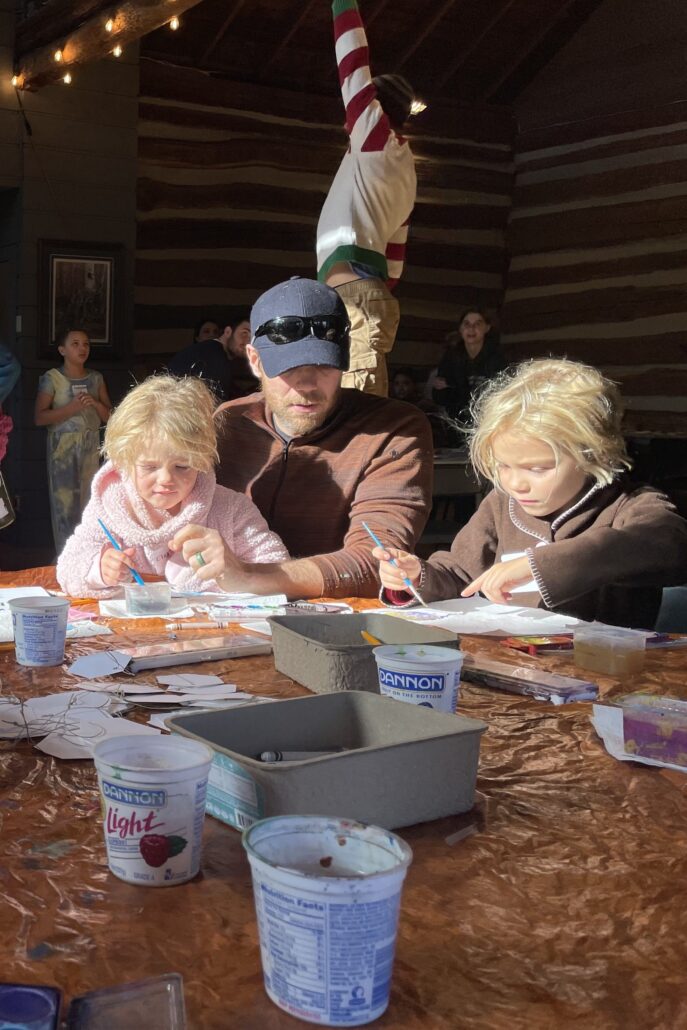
200,559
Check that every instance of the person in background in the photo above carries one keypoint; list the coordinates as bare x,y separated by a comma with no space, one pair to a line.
158,495
220,361
72,402
317,459
10,370
205,329
242,381
451,341
404,387
464,370
564,527
363,226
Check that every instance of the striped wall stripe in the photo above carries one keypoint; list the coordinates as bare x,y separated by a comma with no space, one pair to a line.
669,347
599,129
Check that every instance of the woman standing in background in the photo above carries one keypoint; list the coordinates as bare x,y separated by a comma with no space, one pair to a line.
72,402
465,369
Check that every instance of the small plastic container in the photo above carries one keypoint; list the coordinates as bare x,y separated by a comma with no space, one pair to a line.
150,599
327,898
609,649
156,1004
40,629
29,1007
428,676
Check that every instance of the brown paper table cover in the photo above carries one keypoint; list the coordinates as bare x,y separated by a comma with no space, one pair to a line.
567,909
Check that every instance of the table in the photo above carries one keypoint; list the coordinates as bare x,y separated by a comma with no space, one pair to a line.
566,910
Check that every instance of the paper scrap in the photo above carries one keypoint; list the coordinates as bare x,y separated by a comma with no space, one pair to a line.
161,697
189,679
119,687
100,663
476,615
86,729
8,594
157,719
204,694
86,628
259,626
41,715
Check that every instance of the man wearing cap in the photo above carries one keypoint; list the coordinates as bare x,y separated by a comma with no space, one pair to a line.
363,226
317,459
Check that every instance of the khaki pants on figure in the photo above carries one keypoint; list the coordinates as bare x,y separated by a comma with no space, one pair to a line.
374,314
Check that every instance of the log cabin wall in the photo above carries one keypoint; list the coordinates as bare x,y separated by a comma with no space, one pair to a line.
231,180
598,231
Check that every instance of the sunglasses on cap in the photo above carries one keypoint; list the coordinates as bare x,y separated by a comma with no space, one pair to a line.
289,328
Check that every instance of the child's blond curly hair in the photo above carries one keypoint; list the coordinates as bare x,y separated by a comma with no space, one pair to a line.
570,406
176,415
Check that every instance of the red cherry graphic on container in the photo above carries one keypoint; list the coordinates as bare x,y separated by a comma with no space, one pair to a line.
156,848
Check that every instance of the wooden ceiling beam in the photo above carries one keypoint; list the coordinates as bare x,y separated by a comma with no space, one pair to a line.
422,36
371,18
467,51
522,55
226,24
561,30
53,20
303,16
91,42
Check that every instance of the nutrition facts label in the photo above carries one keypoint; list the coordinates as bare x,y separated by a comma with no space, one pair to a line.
297,935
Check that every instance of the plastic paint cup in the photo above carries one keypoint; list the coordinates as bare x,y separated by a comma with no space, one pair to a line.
327,897
40,629
422,675
26,1008
153,800
149,599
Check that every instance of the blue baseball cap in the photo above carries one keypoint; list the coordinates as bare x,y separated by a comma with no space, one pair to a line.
306,299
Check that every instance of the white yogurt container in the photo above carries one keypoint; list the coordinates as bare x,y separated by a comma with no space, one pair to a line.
421,674
40,629
153,798
327,897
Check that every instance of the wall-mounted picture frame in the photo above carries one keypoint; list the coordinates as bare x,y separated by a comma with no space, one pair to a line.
79,284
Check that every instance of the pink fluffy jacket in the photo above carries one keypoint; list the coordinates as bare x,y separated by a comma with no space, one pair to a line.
114,500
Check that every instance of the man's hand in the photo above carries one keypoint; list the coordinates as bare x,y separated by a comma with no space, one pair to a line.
209,557
498,581
115,566
391,576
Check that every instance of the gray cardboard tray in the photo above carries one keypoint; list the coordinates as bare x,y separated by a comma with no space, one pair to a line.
328,652
405,764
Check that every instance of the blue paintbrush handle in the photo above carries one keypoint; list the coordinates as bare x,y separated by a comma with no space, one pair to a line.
392,561
108,534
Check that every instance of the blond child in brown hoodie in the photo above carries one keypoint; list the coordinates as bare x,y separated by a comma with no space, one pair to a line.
564,528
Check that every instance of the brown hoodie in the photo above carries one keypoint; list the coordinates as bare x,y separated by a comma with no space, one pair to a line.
606,557
371,461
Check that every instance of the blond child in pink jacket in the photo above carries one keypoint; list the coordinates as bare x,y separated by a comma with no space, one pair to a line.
158,497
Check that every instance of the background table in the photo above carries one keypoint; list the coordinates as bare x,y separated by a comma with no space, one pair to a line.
567,909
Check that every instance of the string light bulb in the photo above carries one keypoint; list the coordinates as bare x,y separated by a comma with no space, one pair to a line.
57,56
174,23
417,107
67,79
15,80
117,51
109,25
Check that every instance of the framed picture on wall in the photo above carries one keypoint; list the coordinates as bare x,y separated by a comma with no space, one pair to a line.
78,288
